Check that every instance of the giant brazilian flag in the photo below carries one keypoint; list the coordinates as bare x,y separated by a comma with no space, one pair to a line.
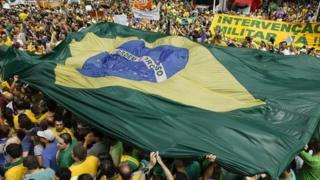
254,110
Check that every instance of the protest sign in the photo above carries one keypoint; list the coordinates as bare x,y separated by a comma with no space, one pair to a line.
238,27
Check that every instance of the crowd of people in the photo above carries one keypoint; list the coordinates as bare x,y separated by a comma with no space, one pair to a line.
41,140
38,31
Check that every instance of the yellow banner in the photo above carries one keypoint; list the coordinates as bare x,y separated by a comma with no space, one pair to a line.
238,27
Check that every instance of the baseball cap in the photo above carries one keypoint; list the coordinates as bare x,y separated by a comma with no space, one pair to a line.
47,134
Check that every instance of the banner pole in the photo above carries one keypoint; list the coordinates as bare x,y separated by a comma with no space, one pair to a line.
214,6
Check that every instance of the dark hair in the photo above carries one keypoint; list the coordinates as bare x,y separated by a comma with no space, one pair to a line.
31,163
19,104
63,173
272,39
108,169
20,134
181,176
248,38
8,115
43,125
58,117
51,105
81,133
4,131
218,36
26,105
85,177
97,133
80,152
127,148
310,50
35,110
24,121
66,138
315,146
14,150
104,156
67,119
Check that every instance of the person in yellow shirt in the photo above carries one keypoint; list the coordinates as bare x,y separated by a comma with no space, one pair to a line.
217,40
40,49
128,173
59,127
186,14
7,41
5,85
83,164
23,16
15,170
31,48
20,105
52,107
128,166
132,162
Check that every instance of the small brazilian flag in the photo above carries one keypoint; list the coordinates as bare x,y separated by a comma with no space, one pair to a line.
254,110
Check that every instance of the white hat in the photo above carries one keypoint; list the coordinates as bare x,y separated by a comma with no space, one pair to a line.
47,134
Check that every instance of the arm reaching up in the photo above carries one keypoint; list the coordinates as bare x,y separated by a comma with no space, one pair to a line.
164,168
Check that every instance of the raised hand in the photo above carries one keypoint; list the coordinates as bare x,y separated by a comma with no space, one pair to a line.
211,157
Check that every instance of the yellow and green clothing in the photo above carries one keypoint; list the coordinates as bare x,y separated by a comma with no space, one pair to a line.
64,157
7,42
311,167
133,163
65,130
115,152
15,171
88,166
23,16
221,43
30,115
5,84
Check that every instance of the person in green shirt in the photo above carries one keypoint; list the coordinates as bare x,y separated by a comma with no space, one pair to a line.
311,163
193,170
65,146
272,7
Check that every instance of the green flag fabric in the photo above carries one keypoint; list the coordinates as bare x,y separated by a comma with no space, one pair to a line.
254,110
3,50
